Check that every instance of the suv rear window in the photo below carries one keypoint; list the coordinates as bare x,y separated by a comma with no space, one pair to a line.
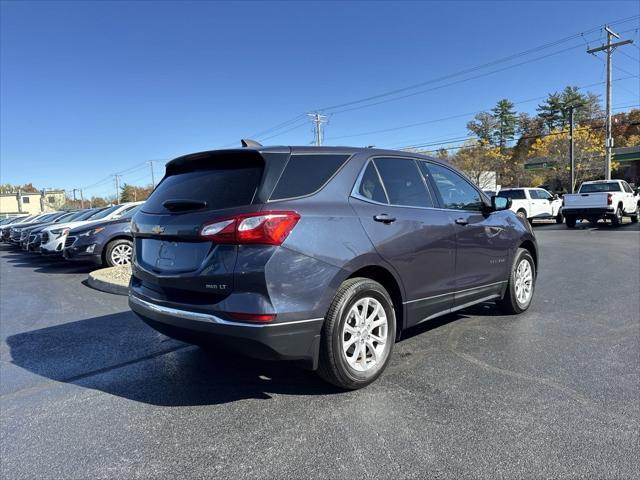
305,174
224,185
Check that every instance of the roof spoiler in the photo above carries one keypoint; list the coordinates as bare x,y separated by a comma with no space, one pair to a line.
247,142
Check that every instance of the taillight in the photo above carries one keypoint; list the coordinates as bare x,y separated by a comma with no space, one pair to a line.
264,228
609,199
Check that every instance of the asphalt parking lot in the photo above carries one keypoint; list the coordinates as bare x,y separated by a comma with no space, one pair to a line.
88,391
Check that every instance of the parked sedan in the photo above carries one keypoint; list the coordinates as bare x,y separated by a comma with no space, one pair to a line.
16,232
107,243
54,239
7,229
31,235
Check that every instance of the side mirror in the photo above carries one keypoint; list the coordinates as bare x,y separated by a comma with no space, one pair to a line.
500,203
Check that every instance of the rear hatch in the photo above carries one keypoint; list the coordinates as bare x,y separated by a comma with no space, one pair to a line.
173,261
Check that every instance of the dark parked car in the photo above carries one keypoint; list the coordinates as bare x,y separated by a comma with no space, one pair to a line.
20,230
107,243
5,229
321,255
30,238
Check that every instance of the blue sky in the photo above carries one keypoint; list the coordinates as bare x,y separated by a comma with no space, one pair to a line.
92,88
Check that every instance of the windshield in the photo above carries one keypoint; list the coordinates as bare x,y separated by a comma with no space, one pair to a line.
600,187
65,217
104,213
46,218
75,215
131,212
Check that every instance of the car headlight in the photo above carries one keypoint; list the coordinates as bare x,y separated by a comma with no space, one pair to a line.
92,232
59,232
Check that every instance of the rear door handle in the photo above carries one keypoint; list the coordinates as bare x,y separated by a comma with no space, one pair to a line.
384,218
462,221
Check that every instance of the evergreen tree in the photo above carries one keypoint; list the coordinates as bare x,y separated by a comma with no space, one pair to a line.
550,112
506,122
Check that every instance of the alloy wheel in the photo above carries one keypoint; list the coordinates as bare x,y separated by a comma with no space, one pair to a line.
121,254
365,334
524,282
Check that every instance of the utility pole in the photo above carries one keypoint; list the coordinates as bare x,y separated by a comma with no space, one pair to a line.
81,199
609,48
117,179
572,161
318,120
153,178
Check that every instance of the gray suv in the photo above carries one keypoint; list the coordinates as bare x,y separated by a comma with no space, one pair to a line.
322,255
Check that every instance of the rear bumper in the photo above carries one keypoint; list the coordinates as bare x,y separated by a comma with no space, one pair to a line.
587,212
295,340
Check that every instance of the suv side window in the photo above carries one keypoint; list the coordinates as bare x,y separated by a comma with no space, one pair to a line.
403,182
626,187
370,186
543,194
305,174
456,192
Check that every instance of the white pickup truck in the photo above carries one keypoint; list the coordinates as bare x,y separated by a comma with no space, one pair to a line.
608,199
534,203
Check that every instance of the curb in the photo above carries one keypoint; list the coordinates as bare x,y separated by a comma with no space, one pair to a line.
110,280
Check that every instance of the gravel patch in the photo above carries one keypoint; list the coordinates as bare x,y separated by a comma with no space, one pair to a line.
111,280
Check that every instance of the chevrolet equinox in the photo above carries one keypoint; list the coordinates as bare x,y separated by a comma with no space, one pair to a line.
322,255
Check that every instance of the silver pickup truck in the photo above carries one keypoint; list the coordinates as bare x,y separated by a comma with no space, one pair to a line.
601,199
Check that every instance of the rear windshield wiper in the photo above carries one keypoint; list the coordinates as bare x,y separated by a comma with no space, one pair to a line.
184,204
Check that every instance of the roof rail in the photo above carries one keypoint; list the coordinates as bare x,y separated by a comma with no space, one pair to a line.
247,142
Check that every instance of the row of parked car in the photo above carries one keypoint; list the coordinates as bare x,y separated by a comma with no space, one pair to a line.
100,235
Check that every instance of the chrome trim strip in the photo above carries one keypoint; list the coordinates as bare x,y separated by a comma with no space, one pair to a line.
205,317
453,293
456,308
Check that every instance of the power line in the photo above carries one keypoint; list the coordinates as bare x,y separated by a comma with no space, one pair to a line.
451,117
435,80
478,67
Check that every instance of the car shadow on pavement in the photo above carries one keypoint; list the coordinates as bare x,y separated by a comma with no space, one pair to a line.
120,355
47,264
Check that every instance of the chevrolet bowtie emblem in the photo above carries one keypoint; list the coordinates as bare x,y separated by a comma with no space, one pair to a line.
157,230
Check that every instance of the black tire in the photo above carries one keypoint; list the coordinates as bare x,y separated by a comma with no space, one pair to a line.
522,214
570,220
117,245
634,216
616,220
333,366
559,218
509,303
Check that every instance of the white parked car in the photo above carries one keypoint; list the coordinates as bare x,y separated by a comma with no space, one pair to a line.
610,199
54,237
534,203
